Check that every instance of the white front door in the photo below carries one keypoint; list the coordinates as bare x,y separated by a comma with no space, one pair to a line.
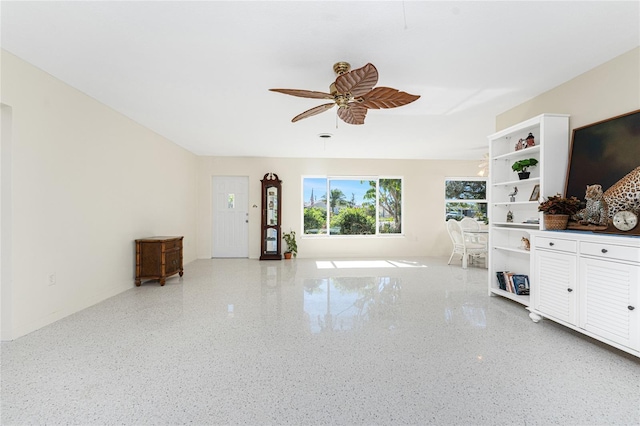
230,216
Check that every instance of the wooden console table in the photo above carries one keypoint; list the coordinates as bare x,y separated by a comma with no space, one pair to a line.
158,258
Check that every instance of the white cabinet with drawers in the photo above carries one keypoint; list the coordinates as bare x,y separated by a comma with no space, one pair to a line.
589,283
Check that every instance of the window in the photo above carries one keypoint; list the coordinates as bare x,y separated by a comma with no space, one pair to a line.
466,197
352,205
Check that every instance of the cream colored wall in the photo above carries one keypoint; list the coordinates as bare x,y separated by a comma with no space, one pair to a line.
86,182
424,225
606,91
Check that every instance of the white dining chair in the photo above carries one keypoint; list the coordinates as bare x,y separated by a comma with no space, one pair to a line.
462,245
469,224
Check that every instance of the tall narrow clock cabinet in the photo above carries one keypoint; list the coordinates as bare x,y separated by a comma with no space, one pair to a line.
271,234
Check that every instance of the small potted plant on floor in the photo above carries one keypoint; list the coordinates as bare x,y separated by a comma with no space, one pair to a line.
522,166
557,210
292,246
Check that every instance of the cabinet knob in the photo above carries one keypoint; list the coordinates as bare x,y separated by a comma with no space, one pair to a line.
551,244
631,308
569,290
604,250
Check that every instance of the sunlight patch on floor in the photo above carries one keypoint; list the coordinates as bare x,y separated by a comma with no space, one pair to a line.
359,264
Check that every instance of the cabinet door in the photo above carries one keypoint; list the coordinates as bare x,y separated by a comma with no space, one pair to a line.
150,259
609,300
271,216
554,285
172,261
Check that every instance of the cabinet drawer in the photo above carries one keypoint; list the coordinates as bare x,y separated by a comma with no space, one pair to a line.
556,244
172,244
610,251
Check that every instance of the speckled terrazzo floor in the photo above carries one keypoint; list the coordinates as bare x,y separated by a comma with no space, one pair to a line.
311,343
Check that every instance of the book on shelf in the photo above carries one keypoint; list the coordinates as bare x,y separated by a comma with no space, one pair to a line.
513,283
508,281
509,278
520,284
502,283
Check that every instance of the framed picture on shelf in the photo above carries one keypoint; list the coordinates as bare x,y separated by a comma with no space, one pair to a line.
535,194
603,153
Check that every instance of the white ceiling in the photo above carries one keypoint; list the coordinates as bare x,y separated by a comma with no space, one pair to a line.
198,73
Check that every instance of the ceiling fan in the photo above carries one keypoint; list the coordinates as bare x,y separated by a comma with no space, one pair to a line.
354,94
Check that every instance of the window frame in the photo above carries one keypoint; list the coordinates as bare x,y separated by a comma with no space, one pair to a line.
484,179
364,178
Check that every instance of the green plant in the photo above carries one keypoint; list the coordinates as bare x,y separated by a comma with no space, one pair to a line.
353,221
523,165
315,220
557,204
292,245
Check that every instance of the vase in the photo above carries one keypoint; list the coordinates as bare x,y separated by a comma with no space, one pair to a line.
555,222
523,175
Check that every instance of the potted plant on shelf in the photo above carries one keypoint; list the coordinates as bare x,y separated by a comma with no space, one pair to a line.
557,210
521,167
292,246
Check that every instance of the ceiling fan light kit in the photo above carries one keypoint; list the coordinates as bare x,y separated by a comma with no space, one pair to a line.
354,93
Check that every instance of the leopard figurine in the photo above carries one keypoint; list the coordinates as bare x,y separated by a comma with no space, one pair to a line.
624,194
597,210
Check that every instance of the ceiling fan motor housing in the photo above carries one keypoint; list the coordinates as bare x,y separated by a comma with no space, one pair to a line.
341,67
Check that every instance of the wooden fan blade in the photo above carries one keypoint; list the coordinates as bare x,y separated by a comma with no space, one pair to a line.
357,82
312,112
353,113
386,97
304,93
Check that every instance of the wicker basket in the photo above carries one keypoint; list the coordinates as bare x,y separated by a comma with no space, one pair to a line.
555,222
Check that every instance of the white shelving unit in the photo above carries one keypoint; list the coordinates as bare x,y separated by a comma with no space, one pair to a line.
551,133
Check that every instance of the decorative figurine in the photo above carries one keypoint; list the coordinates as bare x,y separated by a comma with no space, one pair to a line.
597,210
526,245
520,144
530,141
510,216
512,196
